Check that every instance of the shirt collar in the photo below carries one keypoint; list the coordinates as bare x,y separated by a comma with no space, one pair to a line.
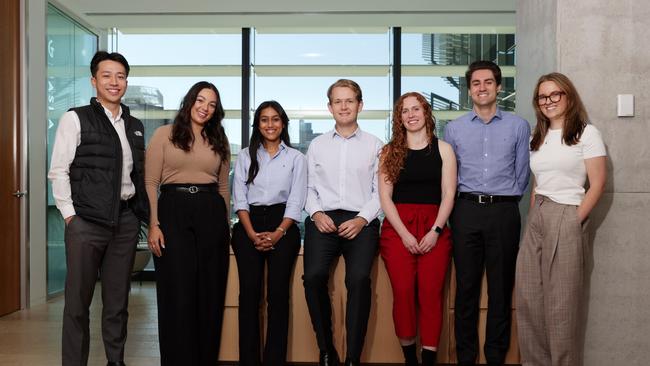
281,148
110,115
473,116
356,133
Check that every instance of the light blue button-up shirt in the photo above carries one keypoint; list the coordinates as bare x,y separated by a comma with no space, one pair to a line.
282,178
492,157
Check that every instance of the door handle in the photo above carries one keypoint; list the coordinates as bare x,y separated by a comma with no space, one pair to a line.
19,194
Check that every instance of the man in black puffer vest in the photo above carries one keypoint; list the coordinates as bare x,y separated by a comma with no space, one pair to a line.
97,174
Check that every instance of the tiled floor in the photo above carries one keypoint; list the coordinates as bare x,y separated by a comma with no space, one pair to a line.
33,337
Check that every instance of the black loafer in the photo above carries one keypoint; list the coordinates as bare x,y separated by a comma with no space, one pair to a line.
329,358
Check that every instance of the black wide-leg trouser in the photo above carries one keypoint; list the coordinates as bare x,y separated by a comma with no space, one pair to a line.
250,265
191,275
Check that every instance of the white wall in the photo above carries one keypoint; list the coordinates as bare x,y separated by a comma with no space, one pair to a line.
603,47
36,120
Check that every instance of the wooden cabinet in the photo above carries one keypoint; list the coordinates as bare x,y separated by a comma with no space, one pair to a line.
381,343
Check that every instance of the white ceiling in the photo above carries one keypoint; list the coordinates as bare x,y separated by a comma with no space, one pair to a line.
482,16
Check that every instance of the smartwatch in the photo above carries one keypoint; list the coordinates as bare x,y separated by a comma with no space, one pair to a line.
437,229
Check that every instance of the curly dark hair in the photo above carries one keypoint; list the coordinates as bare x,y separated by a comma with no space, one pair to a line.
393,154
257,139
182,135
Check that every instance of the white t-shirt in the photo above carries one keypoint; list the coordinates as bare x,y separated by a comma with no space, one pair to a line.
559,169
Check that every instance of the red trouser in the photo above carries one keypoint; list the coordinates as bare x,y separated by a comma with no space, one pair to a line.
421,275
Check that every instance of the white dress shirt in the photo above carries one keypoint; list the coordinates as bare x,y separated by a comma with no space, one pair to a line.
68,137
342,174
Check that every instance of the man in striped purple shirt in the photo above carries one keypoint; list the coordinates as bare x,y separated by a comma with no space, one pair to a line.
491,147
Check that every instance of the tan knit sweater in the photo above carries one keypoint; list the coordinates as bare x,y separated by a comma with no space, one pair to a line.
165,163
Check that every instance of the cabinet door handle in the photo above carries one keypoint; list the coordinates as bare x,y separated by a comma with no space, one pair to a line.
19,194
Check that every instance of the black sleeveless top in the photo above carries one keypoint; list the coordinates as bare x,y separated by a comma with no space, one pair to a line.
419,180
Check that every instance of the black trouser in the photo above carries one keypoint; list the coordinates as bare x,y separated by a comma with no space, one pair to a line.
320,252
250,265
485,236
191,276
89,248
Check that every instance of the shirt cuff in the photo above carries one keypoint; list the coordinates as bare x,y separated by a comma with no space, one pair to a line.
67,211
292,214
366,217
238,206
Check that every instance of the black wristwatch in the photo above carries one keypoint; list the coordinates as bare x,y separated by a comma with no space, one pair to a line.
437,229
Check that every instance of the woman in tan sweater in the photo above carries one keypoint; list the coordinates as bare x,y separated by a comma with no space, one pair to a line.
189,162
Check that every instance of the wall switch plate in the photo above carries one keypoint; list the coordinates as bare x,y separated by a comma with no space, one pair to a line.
625,105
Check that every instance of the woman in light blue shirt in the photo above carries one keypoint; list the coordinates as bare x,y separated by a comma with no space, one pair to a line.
269,192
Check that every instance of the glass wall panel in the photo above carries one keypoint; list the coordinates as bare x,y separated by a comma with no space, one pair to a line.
435,64
296,69
311,63
310,92
70,48
321,49
180,49
165,66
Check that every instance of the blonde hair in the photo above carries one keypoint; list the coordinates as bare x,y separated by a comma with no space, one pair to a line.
345,83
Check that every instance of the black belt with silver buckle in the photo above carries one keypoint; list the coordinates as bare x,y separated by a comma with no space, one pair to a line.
486,198
189,188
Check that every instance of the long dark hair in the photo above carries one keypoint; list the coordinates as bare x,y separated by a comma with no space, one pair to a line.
575,119
257,138
182,136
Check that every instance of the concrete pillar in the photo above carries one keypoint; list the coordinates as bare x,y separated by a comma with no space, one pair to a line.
603,47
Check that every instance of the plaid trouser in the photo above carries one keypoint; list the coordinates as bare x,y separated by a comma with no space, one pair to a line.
549,287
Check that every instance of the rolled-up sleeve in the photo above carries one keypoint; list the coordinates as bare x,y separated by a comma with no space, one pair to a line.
65,147
522,158
312,204
239,187
372,209
298,193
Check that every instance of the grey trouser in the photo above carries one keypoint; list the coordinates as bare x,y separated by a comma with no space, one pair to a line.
90,249
549,285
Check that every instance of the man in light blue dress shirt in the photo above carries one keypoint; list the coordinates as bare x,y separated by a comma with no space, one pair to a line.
491,147
343,205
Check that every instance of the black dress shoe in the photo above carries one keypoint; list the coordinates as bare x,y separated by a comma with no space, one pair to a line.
118,363
350,362
329,358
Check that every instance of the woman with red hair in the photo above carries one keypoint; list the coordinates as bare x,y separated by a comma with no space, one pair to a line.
417,185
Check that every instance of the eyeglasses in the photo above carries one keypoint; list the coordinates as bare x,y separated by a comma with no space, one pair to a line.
554,97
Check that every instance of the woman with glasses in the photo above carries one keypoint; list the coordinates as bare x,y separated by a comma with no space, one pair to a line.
269,192
565,152
417,186
189,162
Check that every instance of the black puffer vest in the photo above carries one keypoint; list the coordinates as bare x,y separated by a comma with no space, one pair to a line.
96,171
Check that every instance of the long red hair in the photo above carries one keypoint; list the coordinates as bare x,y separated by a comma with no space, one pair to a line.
394,152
